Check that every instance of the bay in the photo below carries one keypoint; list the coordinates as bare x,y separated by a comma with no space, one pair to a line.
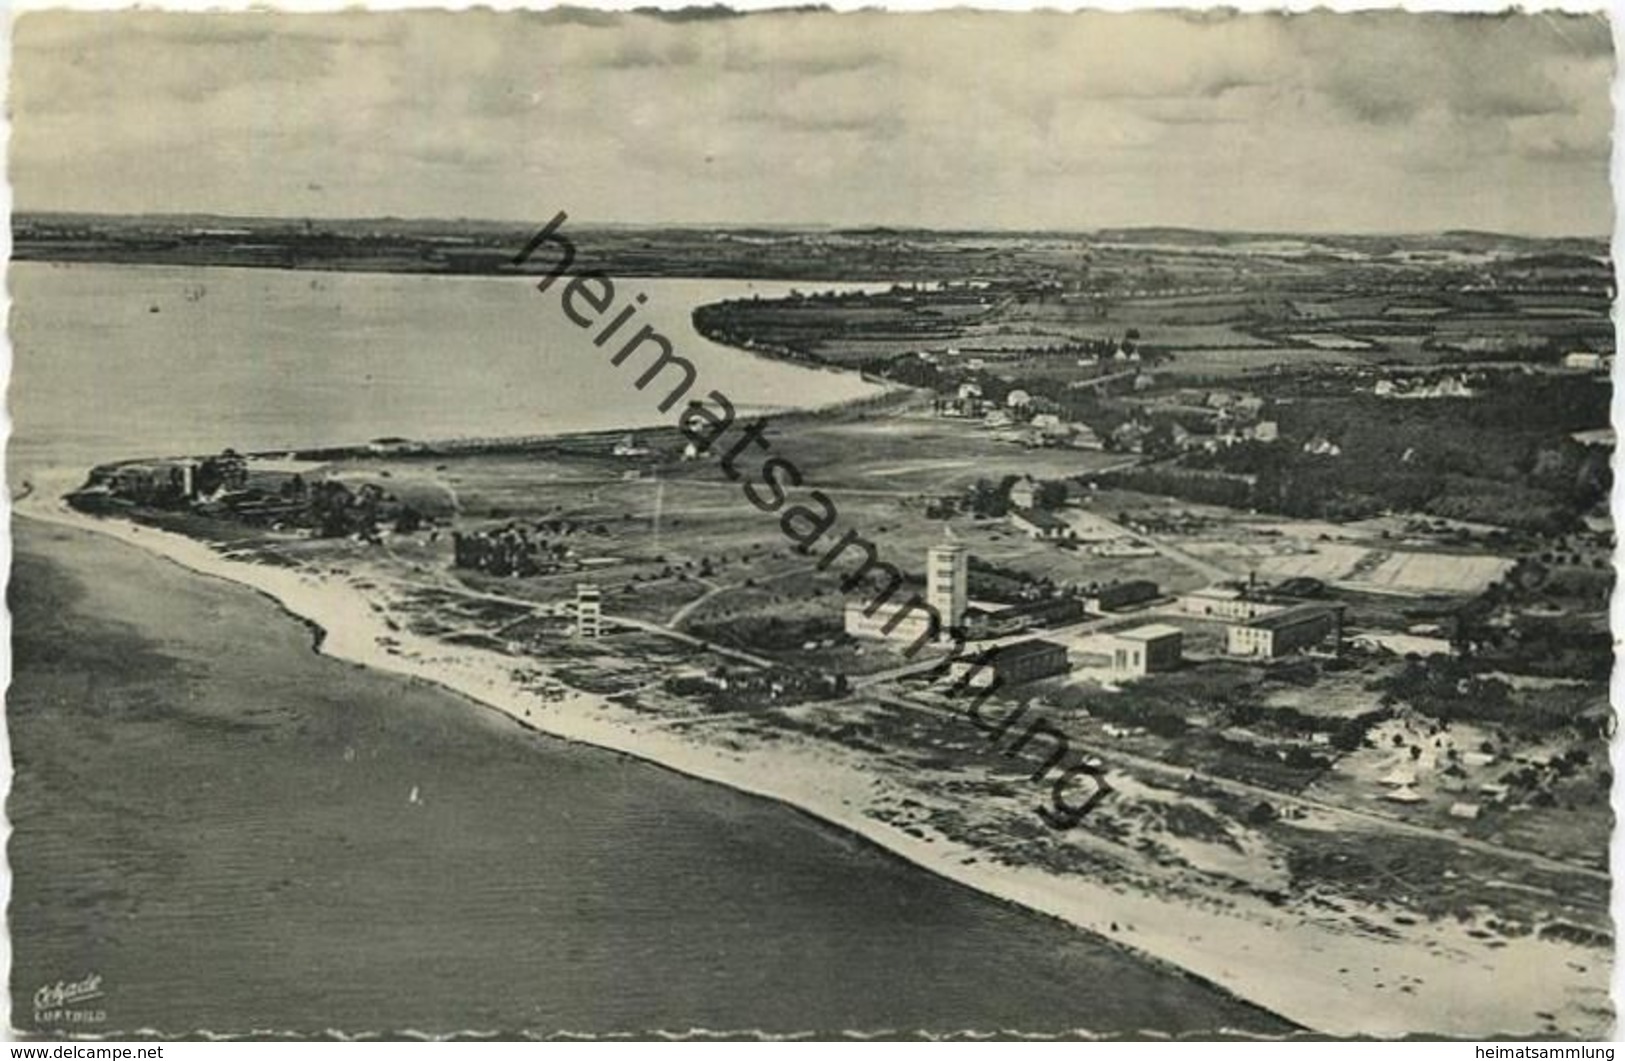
117,361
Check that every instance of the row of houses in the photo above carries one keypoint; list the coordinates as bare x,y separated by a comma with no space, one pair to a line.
1402,387
186,479
1134,653
1034,429
1157,647
1132,436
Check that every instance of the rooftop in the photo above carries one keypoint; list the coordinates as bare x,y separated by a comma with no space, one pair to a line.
1020,650
1040,518
1150,632
1299,613
1216,593
1133,583
1042,604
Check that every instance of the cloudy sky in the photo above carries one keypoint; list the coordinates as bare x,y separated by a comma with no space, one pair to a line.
1372,122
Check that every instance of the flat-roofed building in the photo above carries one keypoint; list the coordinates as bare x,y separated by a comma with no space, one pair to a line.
1014,618
1012,664
1121,595
911,619
1039,524
894,621
1286,631
589,610
1587,360
1146,650
1225,602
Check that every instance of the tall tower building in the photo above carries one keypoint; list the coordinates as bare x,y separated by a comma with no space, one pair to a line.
589,610
946,582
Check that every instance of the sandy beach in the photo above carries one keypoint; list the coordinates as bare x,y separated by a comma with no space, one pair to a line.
1434,979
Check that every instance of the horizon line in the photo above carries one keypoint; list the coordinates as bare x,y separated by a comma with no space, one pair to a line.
815,226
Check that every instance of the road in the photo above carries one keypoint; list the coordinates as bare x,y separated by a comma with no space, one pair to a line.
833,490
612,620
690,639
1101,381
712,590
716,590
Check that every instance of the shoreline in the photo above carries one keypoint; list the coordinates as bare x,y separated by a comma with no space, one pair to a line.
1245,952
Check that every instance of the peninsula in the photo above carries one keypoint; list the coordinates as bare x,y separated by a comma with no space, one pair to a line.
1303,542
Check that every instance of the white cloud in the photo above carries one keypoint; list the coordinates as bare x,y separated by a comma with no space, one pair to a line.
949,118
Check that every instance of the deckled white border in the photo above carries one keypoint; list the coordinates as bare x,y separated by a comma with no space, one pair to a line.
1614,9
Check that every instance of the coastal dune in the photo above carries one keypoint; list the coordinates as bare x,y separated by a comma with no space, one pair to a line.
1318,976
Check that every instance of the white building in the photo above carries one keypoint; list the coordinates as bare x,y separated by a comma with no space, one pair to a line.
1040,525
1585,361
1321,446
1225,602
947,581
630,447
1146,650
1264,431
947,593
1288,630
890,622
589,610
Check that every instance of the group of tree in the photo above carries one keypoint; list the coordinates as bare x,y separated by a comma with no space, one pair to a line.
1450,690
990,499
511,550
1446,458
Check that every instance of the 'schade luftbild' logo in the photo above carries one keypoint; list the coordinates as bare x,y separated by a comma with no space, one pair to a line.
70,1001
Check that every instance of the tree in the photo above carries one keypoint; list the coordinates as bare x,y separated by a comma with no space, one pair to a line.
1050,494
1159,441
990,500
330,503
